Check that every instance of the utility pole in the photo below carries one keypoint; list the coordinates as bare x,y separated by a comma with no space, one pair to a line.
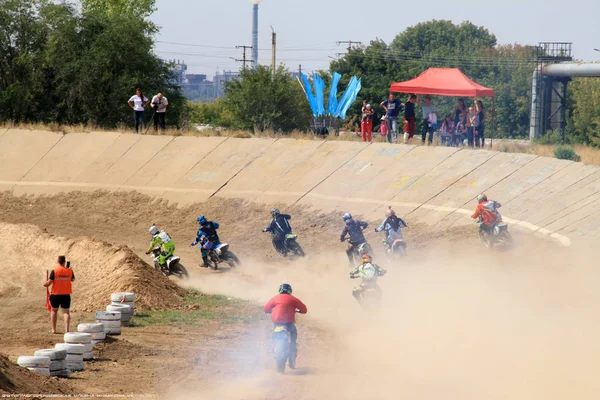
273,51
244,60
300,71
349,42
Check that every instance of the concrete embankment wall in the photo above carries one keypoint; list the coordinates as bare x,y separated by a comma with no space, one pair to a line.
433,185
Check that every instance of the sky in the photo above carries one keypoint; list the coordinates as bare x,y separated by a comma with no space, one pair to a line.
205,33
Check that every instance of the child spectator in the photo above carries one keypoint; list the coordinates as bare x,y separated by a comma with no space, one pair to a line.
383,128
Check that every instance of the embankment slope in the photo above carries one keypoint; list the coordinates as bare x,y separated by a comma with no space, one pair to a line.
436,186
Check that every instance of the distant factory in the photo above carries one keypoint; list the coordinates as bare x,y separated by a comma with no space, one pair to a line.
196,87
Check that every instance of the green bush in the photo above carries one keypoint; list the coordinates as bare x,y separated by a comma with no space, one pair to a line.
566,153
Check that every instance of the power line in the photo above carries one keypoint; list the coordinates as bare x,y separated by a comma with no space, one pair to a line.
349,42
244,60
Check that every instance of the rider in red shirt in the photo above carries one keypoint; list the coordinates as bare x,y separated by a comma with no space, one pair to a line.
488,211
283,312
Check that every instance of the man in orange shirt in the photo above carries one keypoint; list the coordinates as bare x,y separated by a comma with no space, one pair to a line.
283,312
60,279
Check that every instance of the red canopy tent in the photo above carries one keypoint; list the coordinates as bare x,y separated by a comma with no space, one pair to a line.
445,82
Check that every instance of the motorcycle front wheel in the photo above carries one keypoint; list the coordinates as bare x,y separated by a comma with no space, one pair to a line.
232,260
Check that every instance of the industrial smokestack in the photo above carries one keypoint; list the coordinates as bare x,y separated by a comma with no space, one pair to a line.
255,34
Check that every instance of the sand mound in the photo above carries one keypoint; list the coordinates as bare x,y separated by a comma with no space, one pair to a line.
16,379
100,269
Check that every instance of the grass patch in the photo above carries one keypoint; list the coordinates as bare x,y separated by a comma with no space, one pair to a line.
198,309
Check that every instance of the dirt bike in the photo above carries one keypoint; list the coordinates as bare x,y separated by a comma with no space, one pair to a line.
281,342
397,249
360,250
219,254
171,267
289,245
496,235
370,297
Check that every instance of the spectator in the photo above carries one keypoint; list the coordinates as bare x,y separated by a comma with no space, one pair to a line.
460,108
60,278
471,126
392,108
429,118
366,125
160,104
137,102
479,124
410,120
383,128
447,130
461,129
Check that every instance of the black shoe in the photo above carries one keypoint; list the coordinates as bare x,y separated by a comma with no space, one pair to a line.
204,265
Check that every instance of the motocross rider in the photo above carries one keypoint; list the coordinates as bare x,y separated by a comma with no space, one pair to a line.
488,211
283,312
368,272
167,246
207,235
392,225
354,228
280,227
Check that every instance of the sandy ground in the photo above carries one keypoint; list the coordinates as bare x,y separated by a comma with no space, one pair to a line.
457,322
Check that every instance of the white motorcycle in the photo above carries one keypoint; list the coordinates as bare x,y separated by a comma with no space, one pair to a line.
171,267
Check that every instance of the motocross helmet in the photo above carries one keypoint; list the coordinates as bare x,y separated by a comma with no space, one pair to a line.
153,230
366,259
202,220
285,288
275,212
347,216
390,213
481,198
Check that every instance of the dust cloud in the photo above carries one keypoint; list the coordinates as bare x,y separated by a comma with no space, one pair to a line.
457,322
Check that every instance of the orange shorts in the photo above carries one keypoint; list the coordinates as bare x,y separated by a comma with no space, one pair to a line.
410,126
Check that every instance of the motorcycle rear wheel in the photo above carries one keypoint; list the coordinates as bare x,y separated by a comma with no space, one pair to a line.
281,354
296,248
214,261
182,272
486,239
506,238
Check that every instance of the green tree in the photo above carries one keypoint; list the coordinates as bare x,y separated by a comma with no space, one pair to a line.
473,49
584,121
22,36
216,114
70,66
260,101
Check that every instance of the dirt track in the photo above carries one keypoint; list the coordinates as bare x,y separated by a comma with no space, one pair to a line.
458,322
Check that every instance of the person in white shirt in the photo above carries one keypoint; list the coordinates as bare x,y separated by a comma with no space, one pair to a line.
429,118
159,103
137,102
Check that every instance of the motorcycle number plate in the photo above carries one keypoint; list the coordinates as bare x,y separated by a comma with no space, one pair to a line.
280,329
